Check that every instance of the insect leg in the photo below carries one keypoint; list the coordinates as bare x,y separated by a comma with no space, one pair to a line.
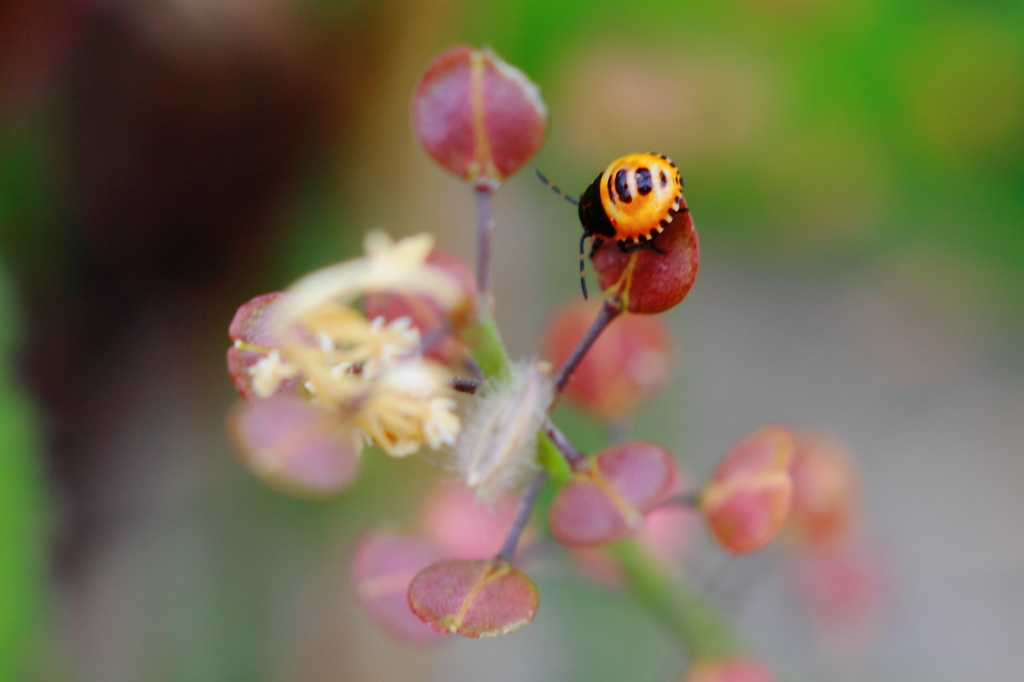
583,279
649,244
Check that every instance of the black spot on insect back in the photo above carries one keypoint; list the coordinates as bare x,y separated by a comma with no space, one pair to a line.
622,186
664,180
643,181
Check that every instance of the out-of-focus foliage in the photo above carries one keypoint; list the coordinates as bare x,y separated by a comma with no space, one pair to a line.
886,133
23,513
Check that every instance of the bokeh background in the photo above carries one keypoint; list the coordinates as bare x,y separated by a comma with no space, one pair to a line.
855,169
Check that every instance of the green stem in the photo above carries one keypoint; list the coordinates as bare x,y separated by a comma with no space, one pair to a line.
484,342
551,457
703,631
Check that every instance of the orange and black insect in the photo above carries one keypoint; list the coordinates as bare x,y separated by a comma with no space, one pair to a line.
632,201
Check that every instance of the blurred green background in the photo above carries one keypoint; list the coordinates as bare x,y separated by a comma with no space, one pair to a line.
855,169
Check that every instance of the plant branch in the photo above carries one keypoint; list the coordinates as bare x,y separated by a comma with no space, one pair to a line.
484,227
568,450
608,313
703,631
508,550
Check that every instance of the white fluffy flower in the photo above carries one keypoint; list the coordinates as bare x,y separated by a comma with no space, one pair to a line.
370,372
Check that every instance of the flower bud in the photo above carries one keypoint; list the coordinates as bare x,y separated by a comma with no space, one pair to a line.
477,116
825,495
426,313
608,495
383,565
497,451
473,598
749,495
254,364
295,446
646,281
738,669
631,359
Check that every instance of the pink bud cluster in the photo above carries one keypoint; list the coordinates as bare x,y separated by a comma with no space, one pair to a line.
748,498
319,385
281,438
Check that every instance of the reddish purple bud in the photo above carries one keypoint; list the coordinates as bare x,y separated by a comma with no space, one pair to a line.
477,116
295,446
473,598
631,360
738,669
825,492
427,314
609,493
383,567
748,498
646,281
254,342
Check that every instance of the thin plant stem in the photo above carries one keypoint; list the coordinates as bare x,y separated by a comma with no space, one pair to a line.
608,313
698,625
484,227
568,450
508,550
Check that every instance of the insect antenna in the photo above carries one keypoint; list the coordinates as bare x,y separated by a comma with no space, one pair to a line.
555,189
583,280
574,202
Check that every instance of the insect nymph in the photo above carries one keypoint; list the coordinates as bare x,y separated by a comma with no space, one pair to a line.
632,201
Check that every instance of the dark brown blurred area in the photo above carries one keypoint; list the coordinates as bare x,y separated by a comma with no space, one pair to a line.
180,130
